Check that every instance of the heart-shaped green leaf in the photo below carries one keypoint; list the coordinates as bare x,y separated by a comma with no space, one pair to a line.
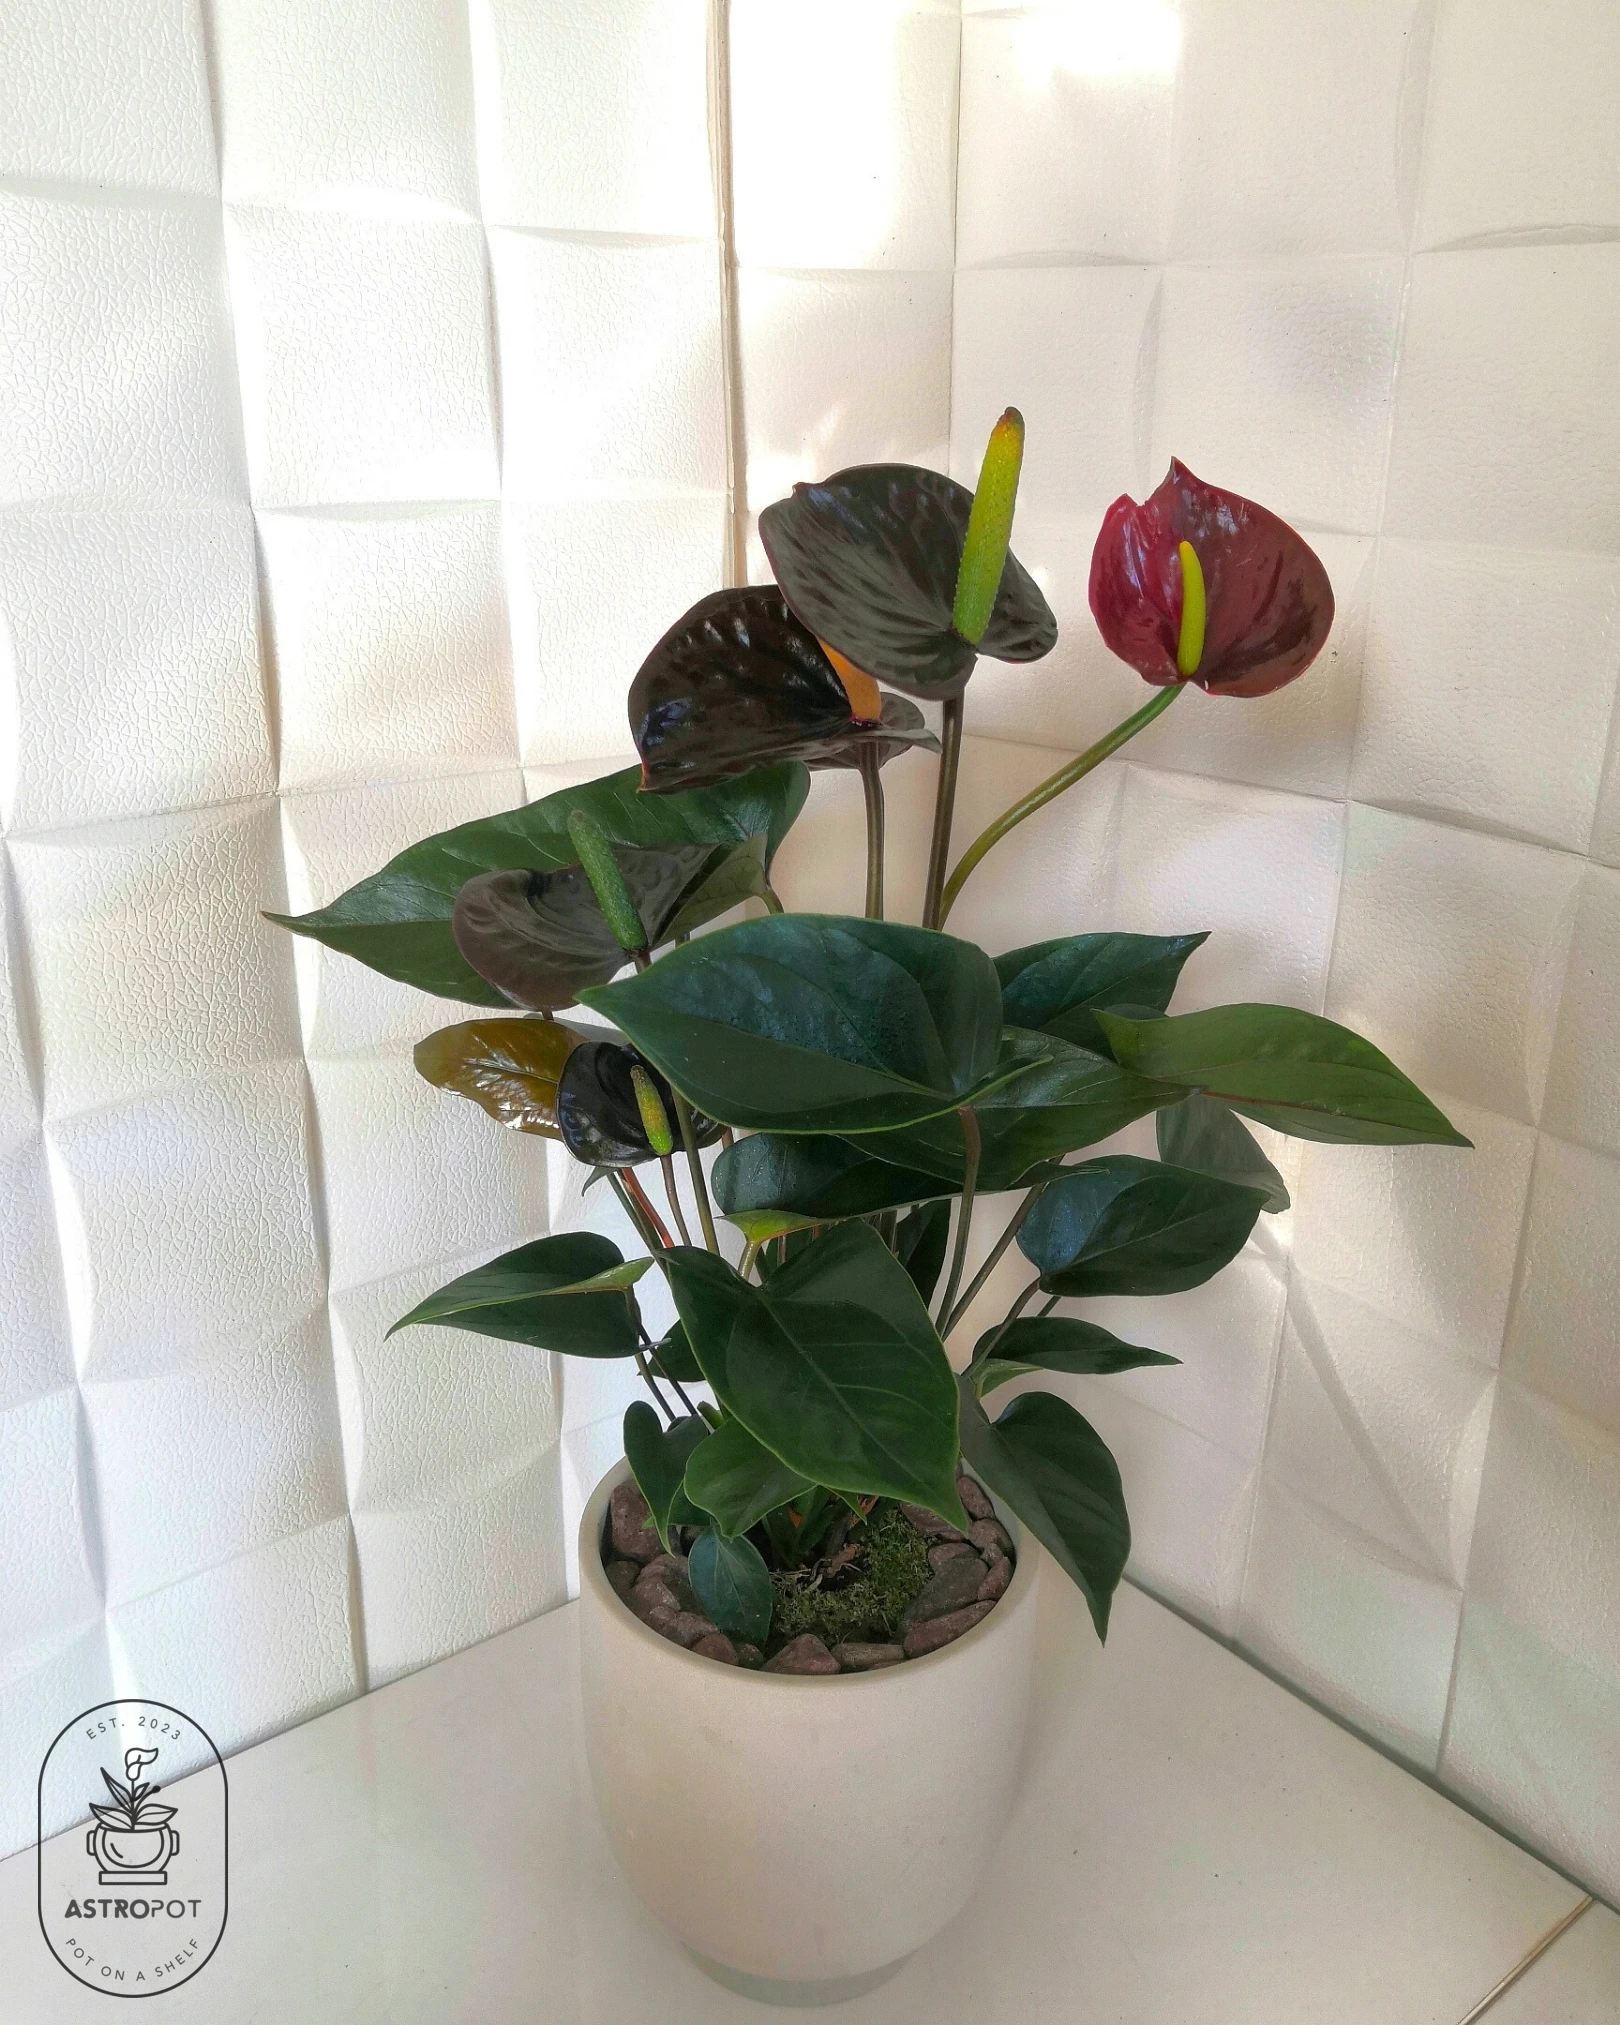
540,937
398,919
868,560
598,1114
1057,1099
1291,1070
737,1480
1120,1225
1204,1135
1056,987
821,1180
1055,1471
672,1356
919,1245
817,1022
739,876
1053,1343
569,1293
658,1456
738,682
508,1066
733,1585
833,1365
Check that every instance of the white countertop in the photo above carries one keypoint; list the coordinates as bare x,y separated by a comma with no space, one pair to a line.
1191,1845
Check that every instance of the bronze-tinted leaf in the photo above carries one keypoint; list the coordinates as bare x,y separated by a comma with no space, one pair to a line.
540,936
868,560
509,1066
598,1118
738,682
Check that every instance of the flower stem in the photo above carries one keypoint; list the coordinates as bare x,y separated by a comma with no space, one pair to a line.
1049,790
950,758
649,1225
990,1264
694,1167
970,1181
668,1167
872,787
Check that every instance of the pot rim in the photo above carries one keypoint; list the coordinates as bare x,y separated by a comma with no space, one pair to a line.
1019,1594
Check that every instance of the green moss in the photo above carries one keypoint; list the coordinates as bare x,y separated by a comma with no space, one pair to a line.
863,1602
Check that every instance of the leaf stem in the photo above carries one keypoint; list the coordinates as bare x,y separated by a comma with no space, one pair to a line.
970,1180
750,1255
694,1167
950,759
768,894
977,1282
652,1386
1049,790
1007,1320
667,1164
644,1204
668,1377
872,788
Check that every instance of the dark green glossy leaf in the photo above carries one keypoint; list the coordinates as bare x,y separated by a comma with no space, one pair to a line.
569,1293
672,1355
1120,1225
398,919
833,1364
1056,987
919,1245
598,1118
1204,1135
868,560
1291,1070
737,682
816,1022
737,1479
509,1066
1064,1098
658,1456
733,1585
1053,1343
739,876
540,937
1055,1471
820,1179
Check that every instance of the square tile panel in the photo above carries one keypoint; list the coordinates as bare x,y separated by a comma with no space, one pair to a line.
1563,1336
1583,1085
623,142
315,290
392,644
345,106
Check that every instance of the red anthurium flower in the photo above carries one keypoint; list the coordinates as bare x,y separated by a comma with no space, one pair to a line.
1267,601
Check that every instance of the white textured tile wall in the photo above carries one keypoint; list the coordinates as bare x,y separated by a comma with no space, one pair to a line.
1360,260
353,358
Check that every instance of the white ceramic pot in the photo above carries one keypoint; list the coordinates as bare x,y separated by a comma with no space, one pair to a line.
802,1836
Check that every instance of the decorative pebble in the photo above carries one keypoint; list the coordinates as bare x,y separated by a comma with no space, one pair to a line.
662,1621
622,1576
991,1538
651,1594
996,1580
804,1654
938,1631
974,1501
630,1525
948,1550
691,1625
930,1524
952,1585
716,1645
670,1568
858,1658
750,1655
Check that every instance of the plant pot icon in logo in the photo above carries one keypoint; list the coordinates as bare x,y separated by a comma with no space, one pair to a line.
133,1840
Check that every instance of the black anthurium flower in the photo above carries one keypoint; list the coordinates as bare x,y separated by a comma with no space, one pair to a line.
868,559
540,937
739,682
597,1112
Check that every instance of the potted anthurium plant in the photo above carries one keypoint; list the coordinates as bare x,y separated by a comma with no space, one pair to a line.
809,1591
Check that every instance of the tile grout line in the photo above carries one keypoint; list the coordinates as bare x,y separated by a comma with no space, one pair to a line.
1527,1961
735,561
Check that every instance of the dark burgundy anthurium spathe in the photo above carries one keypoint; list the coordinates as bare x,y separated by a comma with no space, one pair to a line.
869,560
1269,605
738,683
